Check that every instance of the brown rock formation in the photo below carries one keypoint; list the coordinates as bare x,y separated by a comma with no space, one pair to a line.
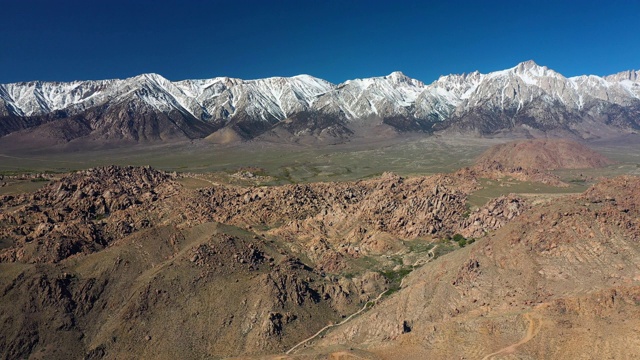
531,160
81,213
115,261
542,154
560,281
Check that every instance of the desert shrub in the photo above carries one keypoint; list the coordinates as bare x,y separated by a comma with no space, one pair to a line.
461,240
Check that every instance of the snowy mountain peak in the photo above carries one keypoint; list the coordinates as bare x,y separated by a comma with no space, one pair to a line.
529,66
529,72
529,69
309,79
394,97
457,86
397,78
150,76
459,78
631,75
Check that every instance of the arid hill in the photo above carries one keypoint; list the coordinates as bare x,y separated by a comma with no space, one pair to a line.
113,262
541,155
560,281
119,262
532,160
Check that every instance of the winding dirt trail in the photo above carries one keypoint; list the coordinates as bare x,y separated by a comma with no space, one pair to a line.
193,176
338,324
431,257
532,331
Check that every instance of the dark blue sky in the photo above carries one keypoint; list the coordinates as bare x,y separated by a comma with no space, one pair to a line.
67,40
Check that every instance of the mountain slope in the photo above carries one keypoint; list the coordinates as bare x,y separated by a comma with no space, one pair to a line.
535,98
560,281
114,261
528,99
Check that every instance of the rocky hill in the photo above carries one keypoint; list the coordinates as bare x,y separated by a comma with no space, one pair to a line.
533,159
542,154
114,261
560,281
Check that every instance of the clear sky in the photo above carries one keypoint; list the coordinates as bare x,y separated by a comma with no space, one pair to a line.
65,40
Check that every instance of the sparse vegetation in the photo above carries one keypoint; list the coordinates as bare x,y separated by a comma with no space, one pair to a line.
394,277
493,189
154,261
462,241
336,163
39,179
420,246
99,217
445,247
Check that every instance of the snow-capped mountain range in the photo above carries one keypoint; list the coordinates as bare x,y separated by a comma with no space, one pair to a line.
527,96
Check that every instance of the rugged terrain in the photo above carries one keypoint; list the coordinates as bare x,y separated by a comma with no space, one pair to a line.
542,155
560,281
534,159
249,270
527,100
121,261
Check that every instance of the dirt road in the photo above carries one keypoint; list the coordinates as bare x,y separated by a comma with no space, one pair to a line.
532,331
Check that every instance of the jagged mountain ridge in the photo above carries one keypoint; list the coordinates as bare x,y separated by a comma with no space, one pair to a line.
526,96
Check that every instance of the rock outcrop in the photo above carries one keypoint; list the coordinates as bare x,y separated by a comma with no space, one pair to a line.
532,160
561,280
81,213
542,155
111,261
